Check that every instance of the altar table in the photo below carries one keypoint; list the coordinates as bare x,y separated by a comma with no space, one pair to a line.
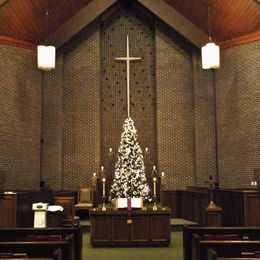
143,227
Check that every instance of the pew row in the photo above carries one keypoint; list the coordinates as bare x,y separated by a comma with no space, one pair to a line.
14,238
43,249
213,255
227,248
220,233
57,255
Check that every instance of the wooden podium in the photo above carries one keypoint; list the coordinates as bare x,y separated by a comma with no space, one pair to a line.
130,228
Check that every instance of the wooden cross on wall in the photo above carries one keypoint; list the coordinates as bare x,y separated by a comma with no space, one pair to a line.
128,59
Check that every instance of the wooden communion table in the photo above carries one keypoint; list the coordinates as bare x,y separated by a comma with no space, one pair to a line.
143,227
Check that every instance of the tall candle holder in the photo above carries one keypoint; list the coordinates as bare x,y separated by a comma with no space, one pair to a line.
154,193
104,194
103,180
212,183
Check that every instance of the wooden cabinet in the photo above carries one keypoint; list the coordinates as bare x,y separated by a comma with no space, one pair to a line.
134,228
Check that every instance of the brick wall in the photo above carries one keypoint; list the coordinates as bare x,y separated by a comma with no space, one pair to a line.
175,112
142,84
173,105
238,117
20,113
71,120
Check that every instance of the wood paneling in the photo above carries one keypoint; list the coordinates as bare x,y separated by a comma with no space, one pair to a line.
177,21
18,43
229,19
239,207
79,21
25,20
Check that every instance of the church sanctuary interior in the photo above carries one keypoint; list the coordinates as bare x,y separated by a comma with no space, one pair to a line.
130,129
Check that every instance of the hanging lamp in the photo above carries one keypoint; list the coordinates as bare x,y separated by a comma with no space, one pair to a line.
46,54
210,52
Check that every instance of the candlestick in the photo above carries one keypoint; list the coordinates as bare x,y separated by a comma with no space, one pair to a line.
154,186
104,186
94,177
110,160
162,178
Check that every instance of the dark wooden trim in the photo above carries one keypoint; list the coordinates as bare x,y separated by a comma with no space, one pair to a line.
177,21
240,40
3,2
81,19
18,43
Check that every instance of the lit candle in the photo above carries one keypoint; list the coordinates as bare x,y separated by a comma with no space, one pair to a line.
154,167
94,174
110,150
104,186
146,149
163,174
102,168
154,186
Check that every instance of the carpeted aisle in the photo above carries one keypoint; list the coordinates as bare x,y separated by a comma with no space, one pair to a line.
173,252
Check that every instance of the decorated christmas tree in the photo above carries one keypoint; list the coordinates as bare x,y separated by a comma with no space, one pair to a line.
129,179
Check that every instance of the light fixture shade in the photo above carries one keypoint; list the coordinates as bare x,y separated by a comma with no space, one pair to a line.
46,57
210,56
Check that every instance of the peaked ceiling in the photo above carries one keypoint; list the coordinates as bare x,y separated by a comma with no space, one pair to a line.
232,21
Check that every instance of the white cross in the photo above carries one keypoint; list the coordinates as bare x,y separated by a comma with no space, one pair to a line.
128,59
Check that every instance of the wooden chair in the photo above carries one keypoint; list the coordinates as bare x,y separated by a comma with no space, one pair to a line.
85,199
68,217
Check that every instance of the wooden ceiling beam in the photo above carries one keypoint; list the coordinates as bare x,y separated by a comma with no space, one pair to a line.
18,43
81,19
177,21
240,40
3,2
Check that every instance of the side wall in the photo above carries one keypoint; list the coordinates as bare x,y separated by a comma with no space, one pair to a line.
20,113
238,114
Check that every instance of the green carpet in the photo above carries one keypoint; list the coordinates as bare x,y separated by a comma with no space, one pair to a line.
173,252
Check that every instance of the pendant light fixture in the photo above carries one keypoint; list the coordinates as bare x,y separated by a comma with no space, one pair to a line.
210,51
45,53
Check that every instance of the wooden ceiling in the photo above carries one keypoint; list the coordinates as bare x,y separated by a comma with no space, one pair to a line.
231,21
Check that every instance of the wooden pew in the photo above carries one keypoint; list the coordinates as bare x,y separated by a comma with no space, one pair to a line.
41,248
227,248
213,255
57,255
252,233
14,234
